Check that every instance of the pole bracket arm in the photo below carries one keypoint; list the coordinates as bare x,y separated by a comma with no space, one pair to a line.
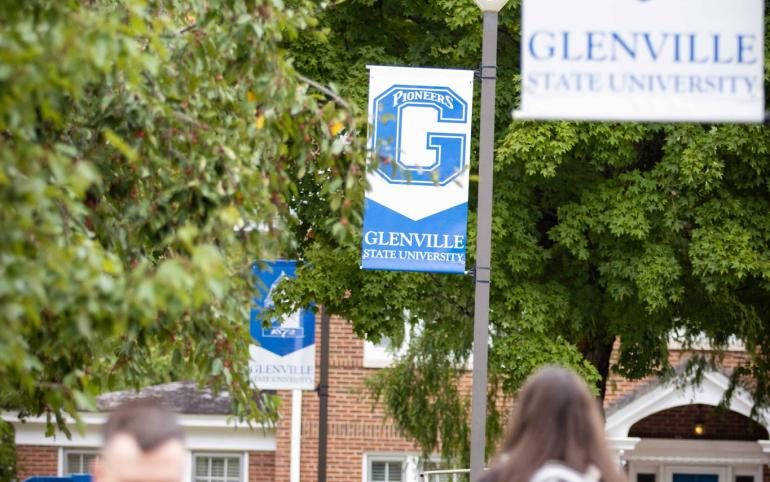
487,72
481,274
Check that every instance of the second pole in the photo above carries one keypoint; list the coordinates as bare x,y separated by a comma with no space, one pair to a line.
323,397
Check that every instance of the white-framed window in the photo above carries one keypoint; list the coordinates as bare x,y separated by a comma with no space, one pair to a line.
384,353
379,355
217,467
386,470
676,341
402,467
389,467
79,461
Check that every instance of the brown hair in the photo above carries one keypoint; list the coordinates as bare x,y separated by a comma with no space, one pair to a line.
146,421
555,419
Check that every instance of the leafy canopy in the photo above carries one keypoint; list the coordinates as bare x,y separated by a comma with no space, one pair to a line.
150,151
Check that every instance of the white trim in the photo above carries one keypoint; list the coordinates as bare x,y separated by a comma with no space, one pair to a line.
683,449
765,444
663,397
188,466
202,432
670,470
702,343
184,419
701,452
296,435
664,456
245,466
696,460
60,462
622,443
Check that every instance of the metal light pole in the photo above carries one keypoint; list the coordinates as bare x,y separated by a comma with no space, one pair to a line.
484,235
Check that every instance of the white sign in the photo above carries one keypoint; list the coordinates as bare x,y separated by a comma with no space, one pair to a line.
416,212
643,60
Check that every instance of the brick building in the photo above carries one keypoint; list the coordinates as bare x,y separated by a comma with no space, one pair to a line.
213,441
660,432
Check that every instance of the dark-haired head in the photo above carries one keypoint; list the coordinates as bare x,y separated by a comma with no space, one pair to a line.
555,418
142,442
146,421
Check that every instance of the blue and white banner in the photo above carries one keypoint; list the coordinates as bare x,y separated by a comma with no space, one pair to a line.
415,213
284,359
643,60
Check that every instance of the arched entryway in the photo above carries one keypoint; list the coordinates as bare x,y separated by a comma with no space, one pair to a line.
665,433
698,443
699,422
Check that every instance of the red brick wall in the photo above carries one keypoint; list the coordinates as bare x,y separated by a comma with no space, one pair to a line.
679,422
356,425
766,474
261,466
36,460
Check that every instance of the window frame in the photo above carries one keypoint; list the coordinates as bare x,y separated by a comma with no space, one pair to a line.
753,471
241,456
371,458
76,451
719,470
388,463
384,353
411,464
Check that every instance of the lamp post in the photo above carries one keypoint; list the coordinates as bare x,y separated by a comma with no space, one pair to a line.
490,9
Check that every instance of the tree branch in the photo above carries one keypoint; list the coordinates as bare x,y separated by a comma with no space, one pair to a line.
187,28
325,90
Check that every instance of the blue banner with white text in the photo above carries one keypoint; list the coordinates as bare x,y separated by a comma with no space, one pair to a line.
415,213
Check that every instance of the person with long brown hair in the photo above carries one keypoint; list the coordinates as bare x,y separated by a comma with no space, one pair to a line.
556,429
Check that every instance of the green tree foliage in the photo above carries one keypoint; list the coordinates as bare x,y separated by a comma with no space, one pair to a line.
150,151
600,231
7,452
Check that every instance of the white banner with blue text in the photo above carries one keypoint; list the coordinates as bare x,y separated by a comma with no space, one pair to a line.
643,60
416,208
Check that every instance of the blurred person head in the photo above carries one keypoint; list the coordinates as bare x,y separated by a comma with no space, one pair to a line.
555,420
142,443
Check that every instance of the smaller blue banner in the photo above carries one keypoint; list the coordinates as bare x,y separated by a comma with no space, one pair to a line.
286,336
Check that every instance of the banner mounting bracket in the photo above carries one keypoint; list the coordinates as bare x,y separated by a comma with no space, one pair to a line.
486,72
